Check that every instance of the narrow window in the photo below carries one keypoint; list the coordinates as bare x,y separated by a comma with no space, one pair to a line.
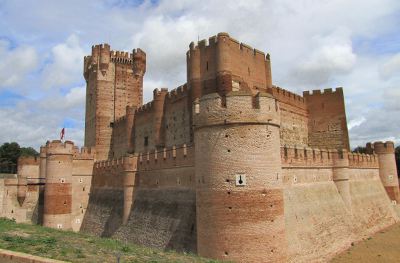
146,141
207,65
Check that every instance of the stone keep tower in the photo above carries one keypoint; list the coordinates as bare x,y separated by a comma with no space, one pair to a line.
58,190
114,80
225,65
239,190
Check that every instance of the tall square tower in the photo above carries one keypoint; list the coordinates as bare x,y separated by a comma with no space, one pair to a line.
114,80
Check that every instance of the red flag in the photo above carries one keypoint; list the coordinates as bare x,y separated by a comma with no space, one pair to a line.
62,133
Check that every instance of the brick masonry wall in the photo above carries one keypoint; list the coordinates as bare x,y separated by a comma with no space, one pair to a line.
327,127
163,213
315,209
20,197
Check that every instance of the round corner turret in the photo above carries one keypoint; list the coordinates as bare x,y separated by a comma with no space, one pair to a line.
237,157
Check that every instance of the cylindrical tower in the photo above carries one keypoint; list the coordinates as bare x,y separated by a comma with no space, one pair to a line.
158,108
42,166
58,192
239,190
129,174
341,175
104,56
223,56
193,71
387,169
268,71
223,64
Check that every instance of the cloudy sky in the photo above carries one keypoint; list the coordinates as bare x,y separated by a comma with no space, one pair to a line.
314,44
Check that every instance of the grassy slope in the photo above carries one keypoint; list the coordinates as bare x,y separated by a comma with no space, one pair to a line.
77,247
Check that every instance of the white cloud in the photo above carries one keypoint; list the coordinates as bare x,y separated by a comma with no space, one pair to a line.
32,129
391,68
313,44
16,63
355,122
73,99
66,64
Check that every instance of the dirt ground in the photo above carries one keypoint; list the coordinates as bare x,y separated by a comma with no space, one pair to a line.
384,246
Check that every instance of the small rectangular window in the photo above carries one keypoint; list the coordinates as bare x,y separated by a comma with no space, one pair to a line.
146,141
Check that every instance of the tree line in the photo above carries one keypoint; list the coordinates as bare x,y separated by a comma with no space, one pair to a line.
360,149
9,154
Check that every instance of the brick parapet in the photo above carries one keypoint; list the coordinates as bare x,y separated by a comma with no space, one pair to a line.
126,163
288,97
60,148
28,160
102,55
84,153
316,157
236,107
171,157
227,40
338,90
177,94
381,147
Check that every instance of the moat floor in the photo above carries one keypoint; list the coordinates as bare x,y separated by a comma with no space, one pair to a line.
384,246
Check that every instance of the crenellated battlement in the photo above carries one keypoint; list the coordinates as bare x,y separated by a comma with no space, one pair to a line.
309,157
381,147
84,153
28,160
145,107
173,95
338,90
178,93
121,57
236,107
121,164
139,54
102,54
120,120
175,156
225,39
113,163
288,97
59,147
360,160
159,92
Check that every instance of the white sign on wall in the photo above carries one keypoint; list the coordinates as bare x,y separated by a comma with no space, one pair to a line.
240,179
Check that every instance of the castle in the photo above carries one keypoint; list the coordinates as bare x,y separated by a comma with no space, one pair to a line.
228,165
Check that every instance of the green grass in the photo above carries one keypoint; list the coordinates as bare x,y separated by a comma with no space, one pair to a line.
78,247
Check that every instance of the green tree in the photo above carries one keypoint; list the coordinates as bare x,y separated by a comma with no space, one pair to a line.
360,149
28,151
9,154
